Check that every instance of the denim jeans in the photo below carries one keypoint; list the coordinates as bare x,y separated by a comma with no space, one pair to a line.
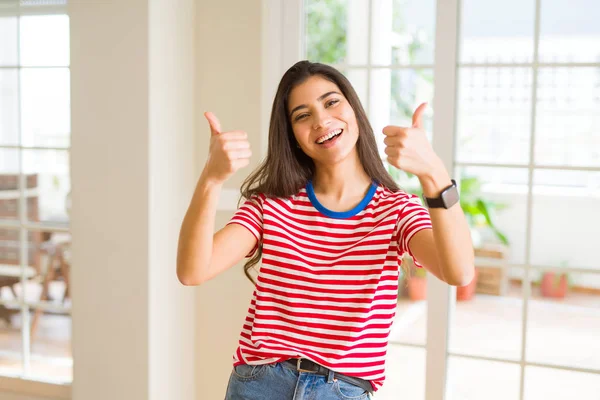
281,381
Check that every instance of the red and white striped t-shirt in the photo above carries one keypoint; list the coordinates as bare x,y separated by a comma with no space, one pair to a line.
328,283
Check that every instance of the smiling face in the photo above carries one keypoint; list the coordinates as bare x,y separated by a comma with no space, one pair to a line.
323,121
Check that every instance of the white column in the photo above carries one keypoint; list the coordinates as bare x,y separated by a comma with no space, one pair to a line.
357,33
282,40
172,151
381,31
357,48
380,79
441,297
132,66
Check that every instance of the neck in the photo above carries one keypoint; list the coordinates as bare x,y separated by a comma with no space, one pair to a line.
343,180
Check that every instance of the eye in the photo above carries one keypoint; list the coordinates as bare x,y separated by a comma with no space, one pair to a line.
331,102
301,116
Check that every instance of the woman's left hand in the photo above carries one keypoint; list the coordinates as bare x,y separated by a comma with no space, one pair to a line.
408,148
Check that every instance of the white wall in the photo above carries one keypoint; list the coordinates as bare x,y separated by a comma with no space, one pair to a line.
228,47
110,177
132,175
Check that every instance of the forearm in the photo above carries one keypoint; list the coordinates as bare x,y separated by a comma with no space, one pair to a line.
196,235
451,233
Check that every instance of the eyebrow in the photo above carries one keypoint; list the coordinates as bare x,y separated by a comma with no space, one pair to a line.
319,99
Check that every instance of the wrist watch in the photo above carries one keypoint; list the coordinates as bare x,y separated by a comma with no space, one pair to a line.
446,199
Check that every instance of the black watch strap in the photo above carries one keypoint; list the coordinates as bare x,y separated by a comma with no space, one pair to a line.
447,198
434,202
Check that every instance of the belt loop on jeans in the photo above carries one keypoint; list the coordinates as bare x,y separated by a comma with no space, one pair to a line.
299,366
321,370
330,376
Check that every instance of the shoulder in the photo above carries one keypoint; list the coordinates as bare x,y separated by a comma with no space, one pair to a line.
399,203
253,201
266,199
398,197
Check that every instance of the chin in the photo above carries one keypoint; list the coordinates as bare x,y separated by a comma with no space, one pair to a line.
337,157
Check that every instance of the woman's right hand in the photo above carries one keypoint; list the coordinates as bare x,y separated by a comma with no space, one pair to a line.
228,152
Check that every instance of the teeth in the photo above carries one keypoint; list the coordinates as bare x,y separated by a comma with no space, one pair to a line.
329,136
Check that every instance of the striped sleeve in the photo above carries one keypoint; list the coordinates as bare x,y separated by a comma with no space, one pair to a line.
250,216
412,219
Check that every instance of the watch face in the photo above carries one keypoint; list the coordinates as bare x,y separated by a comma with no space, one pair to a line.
450,196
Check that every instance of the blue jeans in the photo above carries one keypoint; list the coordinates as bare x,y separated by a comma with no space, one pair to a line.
281,381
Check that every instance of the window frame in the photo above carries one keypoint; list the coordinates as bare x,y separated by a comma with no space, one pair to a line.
24,384
441,297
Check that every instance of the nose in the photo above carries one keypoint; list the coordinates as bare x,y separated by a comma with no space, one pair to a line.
322,120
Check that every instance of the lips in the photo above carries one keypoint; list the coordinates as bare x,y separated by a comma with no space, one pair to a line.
329,136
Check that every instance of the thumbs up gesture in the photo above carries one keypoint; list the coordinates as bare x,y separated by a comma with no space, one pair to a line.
408,148
228,152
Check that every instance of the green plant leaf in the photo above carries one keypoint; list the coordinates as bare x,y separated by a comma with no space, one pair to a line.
483,209
503,239
469,186
482,206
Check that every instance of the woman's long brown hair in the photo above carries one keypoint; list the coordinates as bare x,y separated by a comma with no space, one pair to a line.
286,169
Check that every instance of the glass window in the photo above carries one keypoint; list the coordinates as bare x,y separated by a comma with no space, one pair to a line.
34,196
527,160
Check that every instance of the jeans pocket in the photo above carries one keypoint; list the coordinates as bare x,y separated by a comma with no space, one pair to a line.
348,391
247,372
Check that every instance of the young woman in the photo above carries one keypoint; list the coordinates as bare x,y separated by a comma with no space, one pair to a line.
331,227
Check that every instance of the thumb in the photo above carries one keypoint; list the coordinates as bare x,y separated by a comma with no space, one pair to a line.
215,125
417,118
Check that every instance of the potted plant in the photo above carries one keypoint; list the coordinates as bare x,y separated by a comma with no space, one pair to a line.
479,211
479,214
468,291
412,280
555,284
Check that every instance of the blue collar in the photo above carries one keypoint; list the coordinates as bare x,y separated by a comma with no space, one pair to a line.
340,214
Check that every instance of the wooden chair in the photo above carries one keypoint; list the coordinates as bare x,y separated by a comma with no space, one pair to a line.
10,262
58,267
10,275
